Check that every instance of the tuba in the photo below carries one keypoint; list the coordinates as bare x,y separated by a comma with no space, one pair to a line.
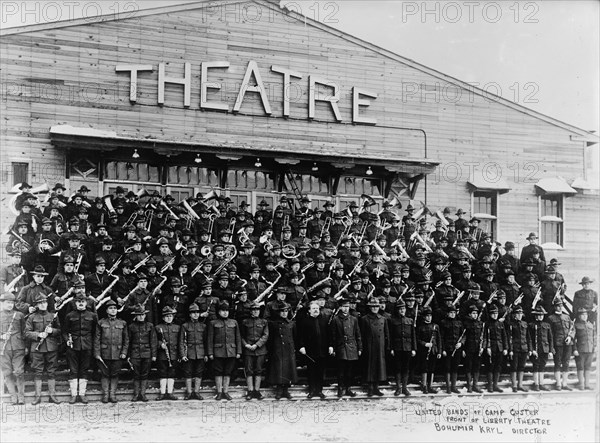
108,203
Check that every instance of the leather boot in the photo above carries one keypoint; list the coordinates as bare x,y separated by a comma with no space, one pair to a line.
20,389
188,389
52,392
405,390
349,392
558,386
286,393
513,379
340,391
369,390
398,390
469,383
112,396
520,386
105,384
12,389
38,391
424,383
197,387
170,386
586,378
490,382
581,384
476,387
565,381
136,390
277,390
495,387
453,379
143,387
82,390
73,386
448,389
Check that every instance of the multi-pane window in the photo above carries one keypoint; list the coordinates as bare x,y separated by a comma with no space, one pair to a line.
20,172
127,171
485,208
551,218
358,186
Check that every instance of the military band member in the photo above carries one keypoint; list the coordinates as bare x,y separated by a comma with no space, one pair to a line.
453,339
12,349
428,349
224,348
192,349
254,333
79,329
42,329
281,371
403,345
167,334
347,346
28,294
586,298
585,348
542,347
473,348
13,276
519,345
111,344
496,345
142,351
563,334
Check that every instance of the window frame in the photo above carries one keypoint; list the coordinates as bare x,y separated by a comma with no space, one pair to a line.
552,219
492,219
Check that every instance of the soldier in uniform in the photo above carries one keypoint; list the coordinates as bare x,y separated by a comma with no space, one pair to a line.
563,334
254,332
78,332
585,347
192,349
111,343
586,298
519,345
12,349
453,338
347,346
13,273
428,349
496,345
473,348
142,351
528,251
167,334
376,344
403,345
26,298
542,346
42,329
282,359
224,348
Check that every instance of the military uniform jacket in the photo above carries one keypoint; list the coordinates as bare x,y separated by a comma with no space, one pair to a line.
142,340
168,334
37,323
429,333
345,337
519,339
495,336
9,273
62,282
254,331
192,340
402,334
585,298
585,336
562,327
81,326
111,339
451,331
541,337
13,322
224,340
474,335
29,293
96,283
376,343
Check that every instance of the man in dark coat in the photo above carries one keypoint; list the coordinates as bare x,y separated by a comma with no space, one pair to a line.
282,358
255,334
347,346
314,343
376,343
192,349
403,344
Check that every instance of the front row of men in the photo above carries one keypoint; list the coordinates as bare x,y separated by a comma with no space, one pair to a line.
359,344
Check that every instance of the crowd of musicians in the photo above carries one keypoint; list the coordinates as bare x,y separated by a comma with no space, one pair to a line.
136,281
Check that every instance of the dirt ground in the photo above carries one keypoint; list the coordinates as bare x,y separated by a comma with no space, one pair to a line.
549,417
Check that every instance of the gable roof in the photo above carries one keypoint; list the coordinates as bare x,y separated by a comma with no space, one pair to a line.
580,135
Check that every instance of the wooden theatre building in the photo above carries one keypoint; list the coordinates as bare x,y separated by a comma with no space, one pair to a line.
255,100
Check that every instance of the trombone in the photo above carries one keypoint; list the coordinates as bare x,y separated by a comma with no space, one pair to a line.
326,226
131,219
149,213
211,224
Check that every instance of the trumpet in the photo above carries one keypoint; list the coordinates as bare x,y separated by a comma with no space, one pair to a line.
205,251
359,264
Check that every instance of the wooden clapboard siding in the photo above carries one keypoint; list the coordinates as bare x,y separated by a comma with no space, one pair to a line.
66,75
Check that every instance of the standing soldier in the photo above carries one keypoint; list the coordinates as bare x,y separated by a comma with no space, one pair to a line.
282,358
453,339
142,351
585,347
376,342
254,332
78,333
473,348
111,343
43,331
13,276
347,346
12,348
224,348
496,345
542,347
26,298
519,345
586,298
404,346
168,339
563,334
428,350
192,348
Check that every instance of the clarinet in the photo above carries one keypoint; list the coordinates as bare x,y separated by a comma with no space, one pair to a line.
162,334
9,333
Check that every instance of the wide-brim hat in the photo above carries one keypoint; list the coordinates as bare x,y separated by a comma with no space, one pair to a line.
254,305
586,280
531,235
7,296
139,310
373,302
59,186
582,311
40,298
223,306
194,308
39,270
280,306
426,311
518,310
539,311
168,310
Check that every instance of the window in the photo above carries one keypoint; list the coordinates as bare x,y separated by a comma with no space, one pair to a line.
485,208
20,172
127,171
551,219
359,186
